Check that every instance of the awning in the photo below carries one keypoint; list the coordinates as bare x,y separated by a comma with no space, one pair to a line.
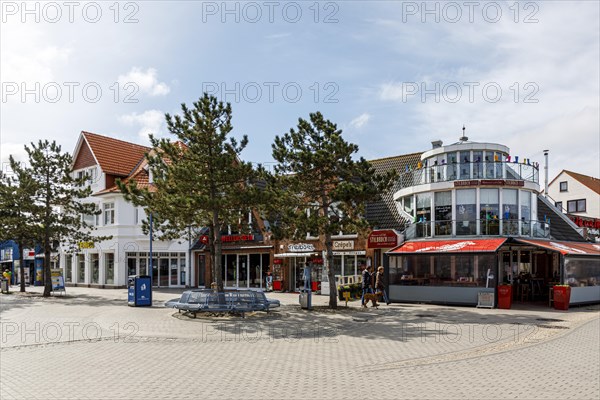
449,246
566,248
283,255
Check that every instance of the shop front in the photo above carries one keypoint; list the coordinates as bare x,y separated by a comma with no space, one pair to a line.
456,271
443,272
288,267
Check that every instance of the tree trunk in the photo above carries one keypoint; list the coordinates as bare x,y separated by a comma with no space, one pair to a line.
218,251
331,272
46,276
21,268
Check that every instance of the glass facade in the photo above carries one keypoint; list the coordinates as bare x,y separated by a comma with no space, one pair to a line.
109,269
168,268
466,208
468,270
582,271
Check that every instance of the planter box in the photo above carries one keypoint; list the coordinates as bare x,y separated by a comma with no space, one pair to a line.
505,296
562,297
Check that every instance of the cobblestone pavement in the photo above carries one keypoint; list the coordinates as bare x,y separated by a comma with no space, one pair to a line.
90,345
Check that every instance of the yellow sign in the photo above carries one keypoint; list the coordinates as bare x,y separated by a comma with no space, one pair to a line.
86,245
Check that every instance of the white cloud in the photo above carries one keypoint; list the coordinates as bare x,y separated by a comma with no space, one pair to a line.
147,81
360,121
150,121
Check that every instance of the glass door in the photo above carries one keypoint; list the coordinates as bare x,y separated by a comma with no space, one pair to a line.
174,267
243,270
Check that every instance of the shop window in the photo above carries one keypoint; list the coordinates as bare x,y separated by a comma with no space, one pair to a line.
466,212
488,213
423,214
109,268
510,212
68,268
443,213
581,271
564,186
80,268
95,266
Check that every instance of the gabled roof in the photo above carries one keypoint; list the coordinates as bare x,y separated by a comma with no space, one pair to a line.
115,157
383,214
589,181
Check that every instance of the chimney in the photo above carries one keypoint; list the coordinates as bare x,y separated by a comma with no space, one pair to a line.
436,144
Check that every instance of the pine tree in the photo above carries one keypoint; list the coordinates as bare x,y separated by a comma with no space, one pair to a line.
319,188
16,211
199,180
58,203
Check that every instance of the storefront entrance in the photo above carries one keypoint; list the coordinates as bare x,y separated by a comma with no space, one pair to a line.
245,270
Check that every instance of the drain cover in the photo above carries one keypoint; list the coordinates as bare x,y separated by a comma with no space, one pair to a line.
425,315
550,320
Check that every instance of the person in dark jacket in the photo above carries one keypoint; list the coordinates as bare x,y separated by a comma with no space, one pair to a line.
367,283
380,285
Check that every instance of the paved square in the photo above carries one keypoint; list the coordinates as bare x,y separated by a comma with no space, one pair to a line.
91,345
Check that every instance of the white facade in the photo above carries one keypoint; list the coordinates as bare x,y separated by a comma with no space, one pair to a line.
109,263
573,191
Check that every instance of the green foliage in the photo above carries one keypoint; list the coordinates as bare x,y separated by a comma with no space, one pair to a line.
318,186
199,180
53,202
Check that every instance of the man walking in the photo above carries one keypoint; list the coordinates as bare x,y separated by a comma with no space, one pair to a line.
367,285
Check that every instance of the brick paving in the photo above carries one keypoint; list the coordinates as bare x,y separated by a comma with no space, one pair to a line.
90,345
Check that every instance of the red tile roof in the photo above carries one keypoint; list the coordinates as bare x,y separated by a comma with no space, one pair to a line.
589,181
116,157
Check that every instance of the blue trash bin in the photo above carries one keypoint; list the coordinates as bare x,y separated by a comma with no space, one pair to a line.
139,291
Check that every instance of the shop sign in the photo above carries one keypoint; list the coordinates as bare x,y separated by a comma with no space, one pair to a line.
591,223
382,239
301,247
489,182
86,245
317,260
341,245
278,261
237,238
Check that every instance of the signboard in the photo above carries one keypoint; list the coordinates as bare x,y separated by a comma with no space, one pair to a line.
382,239
341,245
582,222
489,182
277,261
317,260
485,299
58,281
86,245
301,247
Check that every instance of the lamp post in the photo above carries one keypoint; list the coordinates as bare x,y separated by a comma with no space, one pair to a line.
151,255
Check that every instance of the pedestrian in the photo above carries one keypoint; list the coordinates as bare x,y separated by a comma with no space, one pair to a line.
380,285
269,281
8,275
367,284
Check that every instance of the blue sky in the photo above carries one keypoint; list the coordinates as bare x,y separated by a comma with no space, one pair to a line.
393,75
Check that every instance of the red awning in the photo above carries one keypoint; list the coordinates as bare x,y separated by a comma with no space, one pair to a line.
450,246
571,248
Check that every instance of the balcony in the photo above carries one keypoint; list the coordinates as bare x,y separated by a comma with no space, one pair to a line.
479,227
468,171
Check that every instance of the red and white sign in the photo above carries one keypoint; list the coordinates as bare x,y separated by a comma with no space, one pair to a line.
383,239
230,238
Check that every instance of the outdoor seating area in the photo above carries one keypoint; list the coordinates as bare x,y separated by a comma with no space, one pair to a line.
233,301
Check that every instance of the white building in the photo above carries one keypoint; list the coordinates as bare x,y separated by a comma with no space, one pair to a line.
109,263
576,194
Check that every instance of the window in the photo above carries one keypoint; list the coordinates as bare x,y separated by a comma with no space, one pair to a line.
564,186
466,212
136,218
576,205
109,268
95,264
558,205
109,213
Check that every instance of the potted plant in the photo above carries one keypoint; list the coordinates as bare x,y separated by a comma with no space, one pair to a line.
562,296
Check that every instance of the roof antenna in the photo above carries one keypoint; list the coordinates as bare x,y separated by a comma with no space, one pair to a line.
463,138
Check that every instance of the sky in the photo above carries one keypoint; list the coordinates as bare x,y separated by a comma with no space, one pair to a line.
393,75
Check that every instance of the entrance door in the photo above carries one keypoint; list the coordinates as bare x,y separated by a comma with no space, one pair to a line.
200,270
243,265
